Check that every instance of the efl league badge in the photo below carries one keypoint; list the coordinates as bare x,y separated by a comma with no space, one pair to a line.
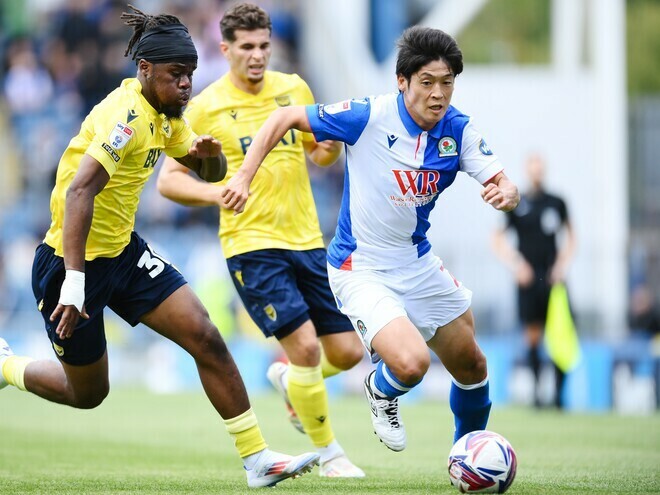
447,147
483,147
120,135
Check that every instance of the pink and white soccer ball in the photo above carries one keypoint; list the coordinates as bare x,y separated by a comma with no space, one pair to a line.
482,462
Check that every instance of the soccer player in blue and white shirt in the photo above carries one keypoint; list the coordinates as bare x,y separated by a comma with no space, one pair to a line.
402,150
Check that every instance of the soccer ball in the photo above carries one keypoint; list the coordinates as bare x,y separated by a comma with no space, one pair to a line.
482,462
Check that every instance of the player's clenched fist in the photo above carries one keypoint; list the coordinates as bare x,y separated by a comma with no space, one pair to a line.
236,192
501,193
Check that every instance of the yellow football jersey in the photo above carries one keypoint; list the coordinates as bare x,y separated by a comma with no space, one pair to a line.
280,213
127,136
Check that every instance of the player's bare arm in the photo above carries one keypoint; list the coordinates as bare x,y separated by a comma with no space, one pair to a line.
90,180
237,190
564,256
176,183
501,193
323,153
206,159
513,259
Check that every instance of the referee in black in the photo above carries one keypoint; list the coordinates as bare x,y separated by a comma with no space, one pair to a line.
538,261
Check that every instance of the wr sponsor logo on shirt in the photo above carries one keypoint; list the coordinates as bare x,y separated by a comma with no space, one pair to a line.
417,182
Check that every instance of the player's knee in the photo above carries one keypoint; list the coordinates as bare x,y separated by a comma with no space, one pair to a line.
475,367
306,353
91,399
345,357
207,342
411,371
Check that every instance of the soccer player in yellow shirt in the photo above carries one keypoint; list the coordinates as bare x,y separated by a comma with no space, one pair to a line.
274,250
91,257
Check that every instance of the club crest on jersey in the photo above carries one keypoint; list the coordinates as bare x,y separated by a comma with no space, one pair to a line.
447,147
167,129
283,101
120,135
483,147
362,328
271,312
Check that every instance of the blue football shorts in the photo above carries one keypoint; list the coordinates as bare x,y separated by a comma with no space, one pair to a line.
131,284
282,289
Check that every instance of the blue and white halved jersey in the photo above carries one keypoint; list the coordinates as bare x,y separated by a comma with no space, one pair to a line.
395,172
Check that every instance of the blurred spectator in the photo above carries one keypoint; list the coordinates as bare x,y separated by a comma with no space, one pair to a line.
28,90
644,315
28,86
203,19
91,35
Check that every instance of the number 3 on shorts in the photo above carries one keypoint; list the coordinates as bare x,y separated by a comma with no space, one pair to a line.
151,262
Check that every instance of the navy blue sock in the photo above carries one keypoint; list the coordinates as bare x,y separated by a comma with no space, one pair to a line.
471,408
388,386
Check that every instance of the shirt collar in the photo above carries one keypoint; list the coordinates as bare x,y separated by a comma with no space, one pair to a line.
410,125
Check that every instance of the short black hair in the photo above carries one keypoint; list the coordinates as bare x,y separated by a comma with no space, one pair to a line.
244,16
419,46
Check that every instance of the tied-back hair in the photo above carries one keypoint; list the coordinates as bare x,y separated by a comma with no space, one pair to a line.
141,22
244,16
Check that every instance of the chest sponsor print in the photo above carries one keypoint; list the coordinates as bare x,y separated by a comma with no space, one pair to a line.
417,187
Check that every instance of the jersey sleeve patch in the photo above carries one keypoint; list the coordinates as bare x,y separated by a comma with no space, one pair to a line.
343,121
120,135
483,147
335,108
113,154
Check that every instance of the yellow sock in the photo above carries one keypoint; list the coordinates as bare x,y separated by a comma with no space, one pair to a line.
327,367
13,370
309,398
246,434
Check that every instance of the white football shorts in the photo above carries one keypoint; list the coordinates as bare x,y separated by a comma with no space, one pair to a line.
424,291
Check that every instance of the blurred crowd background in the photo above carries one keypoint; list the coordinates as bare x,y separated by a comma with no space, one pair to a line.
58,58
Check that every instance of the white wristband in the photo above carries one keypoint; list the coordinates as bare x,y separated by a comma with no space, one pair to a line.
72,292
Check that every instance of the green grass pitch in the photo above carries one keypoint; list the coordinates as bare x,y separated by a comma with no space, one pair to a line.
138,442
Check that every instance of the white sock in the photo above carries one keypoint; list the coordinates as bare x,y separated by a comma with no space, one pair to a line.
251,460
330,451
